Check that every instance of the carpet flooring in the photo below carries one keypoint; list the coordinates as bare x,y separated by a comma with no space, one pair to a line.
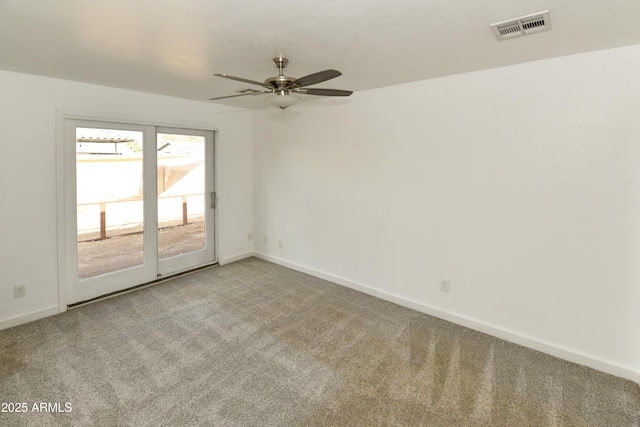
255,344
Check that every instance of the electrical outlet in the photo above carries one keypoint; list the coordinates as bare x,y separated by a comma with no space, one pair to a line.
250,237
20,291
444,285
264,240
280,244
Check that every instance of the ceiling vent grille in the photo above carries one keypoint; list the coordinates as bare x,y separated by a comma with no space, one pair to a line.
522,26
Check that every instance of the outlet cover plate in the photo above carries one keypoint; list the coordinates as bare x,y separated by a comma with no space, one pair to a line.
20,291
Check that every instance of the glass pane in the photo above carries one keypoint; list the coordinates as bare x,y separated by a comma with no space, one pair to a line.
181,198
109,198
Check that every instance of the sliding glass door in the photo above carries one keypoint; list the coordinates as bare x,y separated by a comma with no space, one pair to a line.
139,204
185,200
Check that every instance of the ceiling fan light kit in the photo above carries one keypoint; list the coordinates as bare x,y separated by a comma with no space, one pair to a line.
282,100
282,86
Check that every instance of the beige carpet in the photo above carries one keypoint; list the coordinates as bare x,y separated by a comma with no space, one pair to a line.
255,344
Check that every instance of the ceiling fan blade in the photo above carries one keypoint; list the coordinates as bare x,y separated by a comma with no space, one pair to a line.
235,96
324,92
240,79
312,79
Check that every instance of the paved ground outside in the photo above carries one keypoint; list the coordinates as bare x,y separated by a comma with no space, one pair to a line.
125,251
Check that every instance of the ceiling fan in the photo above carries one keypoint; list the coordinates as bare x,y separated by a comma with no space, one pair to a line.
284,88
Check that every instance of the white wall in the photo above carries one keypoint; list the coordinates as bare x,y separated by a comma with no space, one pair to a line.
520,184
28,251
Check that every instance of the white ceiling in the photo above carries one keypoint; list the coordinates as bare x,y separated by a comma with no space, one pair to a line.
173,47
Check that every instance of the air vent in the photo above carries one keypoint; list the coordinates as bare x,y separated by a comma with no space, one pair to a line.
522,26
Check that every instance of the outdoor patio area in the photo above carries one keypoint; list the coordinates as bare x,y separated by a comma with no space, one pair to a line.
124,251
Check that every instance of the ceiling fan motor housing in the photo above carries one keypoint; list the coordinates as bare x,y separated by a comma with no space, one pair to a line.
279,81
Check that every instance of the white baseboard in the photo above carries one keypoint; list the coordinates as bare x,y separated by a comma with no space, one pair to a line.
234,258
30,317
511,336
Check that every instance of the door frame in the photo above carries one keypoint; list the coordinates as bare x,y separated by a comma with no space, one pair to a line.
63,114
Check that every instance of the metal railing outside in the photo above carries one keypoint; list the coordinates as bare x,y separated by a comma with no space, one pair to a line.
103,211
